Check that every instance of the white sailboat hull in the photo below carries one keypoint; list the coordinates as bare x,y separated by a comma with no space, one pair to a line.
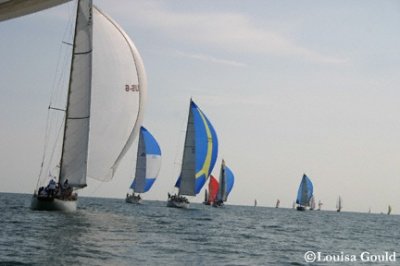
177,204
53,205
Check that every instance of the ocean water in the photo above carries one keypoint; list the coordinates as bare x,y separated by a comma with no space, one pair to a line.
111,232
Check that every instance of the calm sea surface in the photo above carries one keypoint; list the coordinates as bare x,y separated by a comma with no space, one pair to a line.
111,232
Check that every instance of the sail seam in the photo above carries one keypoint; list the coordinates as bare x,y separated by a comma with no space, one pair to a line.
86,117
81,53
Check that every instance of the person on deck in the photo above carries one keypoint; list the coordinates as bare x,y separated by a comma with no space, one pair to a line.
51,187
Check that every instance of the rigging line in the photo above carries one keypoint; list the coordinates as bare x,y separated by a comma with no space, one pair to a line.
57,109
54,94
67,43
44,148
55,145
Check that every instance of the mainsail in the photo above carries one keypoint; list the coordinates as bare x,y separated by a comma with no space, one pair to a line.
199,154
148,162
305,191
339,204
76,130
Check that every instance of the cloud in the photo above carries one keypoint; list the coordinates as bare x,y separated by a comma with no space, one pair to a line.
227,31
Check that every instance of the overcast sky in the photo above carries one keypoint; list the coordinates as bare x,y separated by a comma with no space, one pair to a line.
291,87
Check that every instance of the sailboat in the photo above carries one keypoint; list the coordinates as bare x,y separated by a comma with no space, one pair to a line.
100,124
255,203
148,163
199,156
226,181
339,204
389,210
277,203
304,193
211,194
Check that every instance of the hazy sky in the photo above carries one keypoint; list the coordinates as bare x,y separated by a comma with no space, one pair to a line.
291,87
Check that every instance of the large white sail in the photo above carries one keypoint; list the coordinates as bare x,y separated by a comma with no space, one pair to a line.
76,133
119,90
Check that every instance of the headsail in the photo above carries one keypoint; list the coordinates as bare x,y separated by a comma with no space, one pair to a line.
230,180
305,191
119,83
148,162
200,152
226,181
213,189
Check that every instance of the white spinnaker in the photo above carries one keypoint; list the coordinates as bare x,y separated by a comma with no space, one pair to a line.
118,93
76,134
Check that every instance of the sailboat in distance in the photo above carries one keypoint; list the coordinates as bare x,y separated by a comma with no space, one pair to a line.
319,205
278,202
148,163
226,181
339,204
96,134
389,210
199,156
305,193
